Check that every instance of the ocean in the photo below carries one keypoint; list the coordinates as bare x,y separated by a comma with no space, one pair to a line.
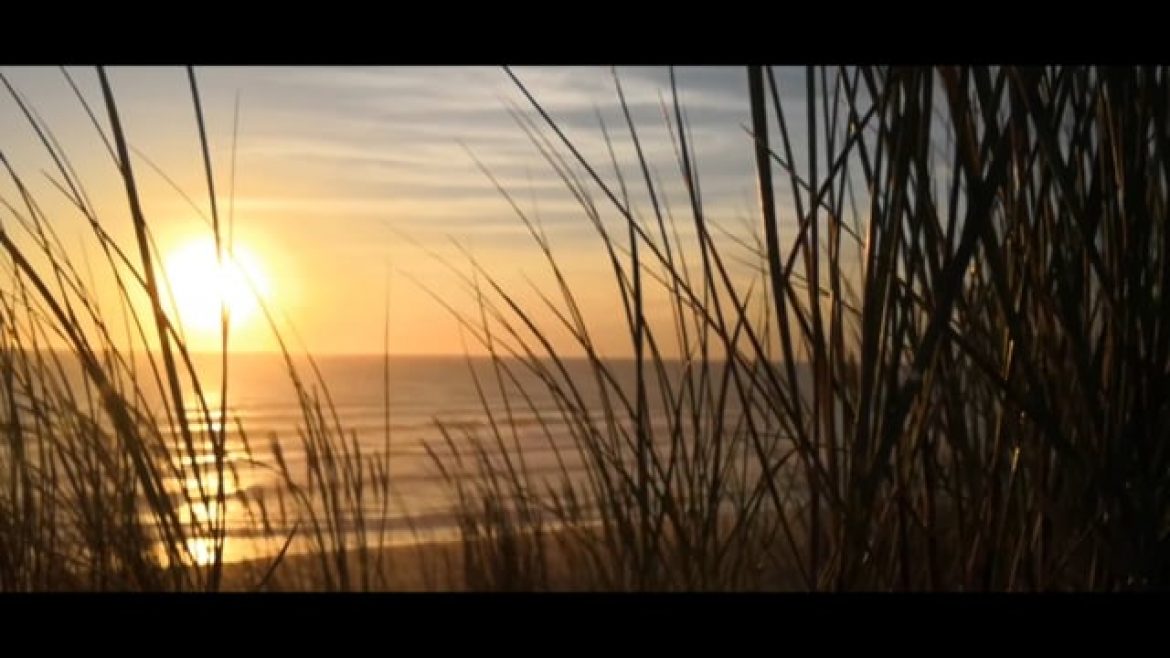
265,417
426,429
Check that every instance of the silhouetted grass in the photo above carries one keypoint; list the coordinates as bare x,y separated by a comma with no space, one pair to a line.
939,361
956,379
101,492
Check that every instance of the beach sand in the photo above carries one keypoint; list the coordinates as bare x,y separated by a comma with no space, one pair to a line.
561,560
422,567
411,568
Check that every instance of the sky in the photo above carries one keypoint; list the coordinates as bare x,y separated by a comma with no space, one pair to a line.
344,183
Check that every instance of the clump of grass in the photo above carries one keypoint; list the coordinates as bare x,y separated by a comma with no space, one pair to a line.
118,473
101,453
953,377
940,361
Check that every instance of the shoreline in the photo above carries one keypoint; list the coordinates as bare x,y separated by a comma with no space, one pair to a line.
430,565
426,566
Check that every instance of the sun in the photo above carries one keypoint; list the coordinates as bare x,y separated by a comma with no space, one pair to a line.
201,285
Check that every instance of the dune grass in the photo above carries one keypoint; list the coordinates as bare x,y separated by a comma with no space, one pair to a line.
88,457
952,378
946,367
